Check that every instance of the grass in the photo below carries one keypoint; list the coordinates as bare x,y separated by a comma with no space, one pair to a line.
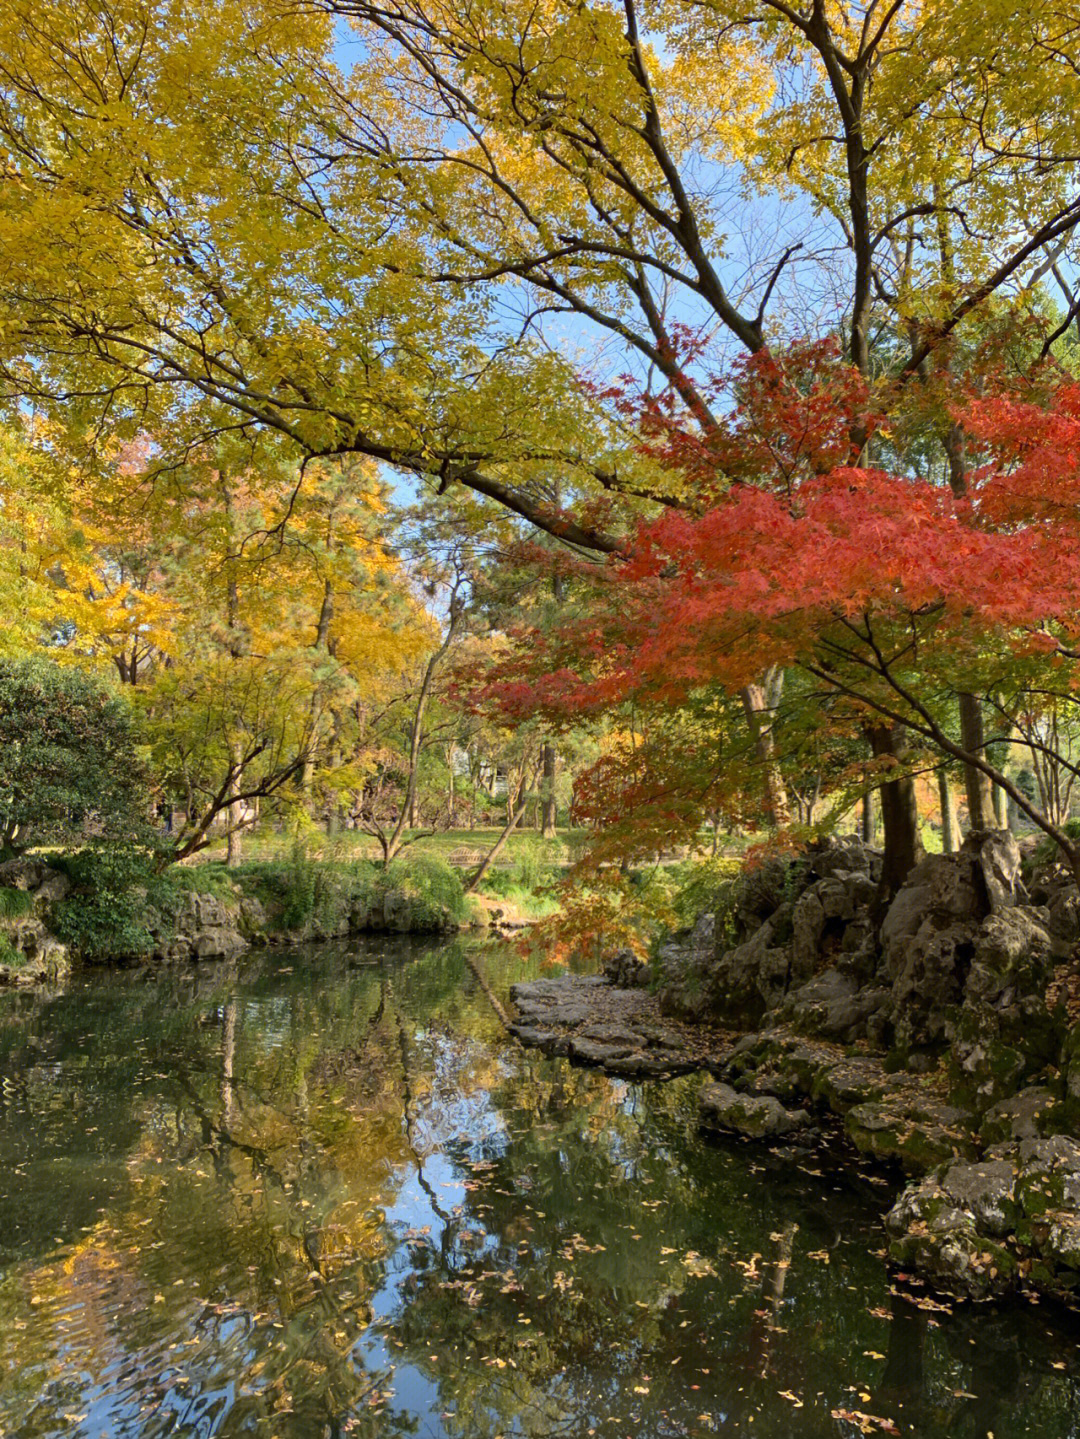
461,848
14,902
9,955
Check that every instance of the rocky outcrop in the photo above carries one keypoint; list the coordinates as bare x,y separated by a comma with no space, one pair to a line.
206,926
29,953
620,1030
944,1041
984,1229
625,970
785,924
962,961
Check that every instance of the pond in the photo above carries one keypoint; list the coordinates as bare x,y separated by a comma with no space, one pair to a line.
318,1192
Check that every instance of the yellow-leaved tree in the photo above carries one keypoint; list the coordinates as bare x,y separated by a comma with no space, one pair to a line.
211,225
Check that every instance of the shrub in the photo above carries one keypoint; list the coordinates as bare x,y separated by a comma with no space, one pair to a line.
530,863
300,890
103,915
67,758
1047,851
421,894
9,955
704,887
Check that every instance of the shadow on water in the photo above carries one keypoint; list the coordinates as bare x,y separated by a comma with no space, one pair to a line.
319,1193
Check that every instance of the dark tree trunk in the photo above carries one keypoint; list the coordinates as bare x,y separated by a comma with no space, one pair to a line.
899,815
550,816
976,784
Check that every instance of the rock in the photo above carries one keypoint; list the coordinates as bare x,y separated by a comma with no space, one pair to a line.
935,1233
1026,1115
842,854
625,970
919,1133
908,910
606,1033
218,942
778,1062
1012,956
954,935
981,1229
748,981
1005,1034
23,872
756,1116
556,1002
549,1040
1063,916
833,1005
652,1065
808,925
988,1191
759,892
927,971
851,1081
54,887
843,896
1049,1179
999,862
254,921
660,1035
1070,1064
685,966
594,1051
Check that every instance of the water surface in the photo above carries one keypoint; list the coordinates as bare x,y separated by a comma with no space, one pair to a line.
318,1193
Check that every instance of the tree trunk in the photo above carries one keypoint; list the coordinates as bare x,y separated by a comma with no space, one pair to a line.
407,812
234,848
899,815
1001,807
758,702
950,830
866,818
550,815
495,850
976,784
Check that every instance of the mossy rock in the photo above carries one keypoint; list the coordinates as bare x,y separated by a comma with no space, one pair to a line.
888,1131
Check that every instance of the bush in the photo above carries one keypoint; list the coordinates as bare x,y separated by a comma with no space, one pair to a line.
67,758
103,915
1047,851
420,894
706,887
9,955
300,890
532,863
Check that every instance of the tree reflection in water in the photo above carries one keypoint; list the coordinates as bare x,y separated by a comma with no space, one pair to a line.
319,1193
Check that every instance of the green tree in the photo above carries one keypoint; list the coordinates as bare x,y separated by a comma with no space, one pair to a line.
68,765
